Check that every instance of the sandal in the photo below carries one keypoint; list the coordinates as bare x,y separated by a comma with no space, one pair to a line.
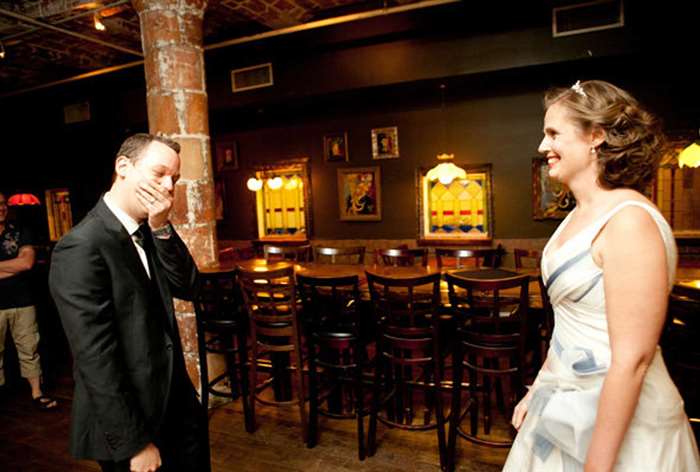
44,403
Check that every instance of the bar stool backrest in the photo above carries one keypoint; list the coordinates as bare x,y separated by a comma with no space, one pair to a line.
526,258
330,303
401,257
464,258
340,255
269,297
293,253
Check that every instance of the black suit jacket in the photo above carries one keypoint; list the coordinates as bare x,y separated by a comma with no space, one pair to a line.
124,339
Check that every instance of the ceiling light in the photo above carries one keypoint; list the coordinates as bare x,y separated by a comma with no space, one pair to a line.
22,199
275,183
99,26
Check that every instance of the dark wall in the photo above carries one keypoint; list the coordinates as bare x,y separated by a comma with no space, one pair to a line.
354,77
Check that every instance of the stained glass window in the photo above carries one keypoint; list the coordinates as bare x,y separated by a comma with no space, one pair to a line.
282,202
460,210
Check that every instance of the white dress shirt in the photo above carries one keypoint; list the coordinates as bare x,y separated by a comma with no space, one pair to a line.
131,227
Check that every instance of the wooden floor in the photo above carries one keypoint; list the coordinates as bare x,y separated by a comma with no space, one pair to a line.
31,440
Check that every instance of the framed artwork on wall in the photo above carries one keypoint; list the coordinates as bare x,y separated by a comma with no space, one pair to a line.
360,193
335,147
226,156
550,199
385,143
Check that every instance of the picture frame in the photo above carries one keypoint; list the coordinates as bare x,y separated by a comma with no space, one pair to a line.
360,193
551,200
226,156
335,147
385,143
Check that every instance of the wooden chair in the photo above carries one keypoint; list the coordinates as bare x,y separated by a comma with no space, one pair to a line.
408,359
291,253
222,329
336,354
465,258
270,300
679,344
348,255
490,345
525,258
401,257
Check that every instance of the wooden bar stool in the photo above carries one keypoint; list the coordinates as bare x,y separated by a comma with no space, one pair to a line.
270,300
336,354
408,361
222,329
490,345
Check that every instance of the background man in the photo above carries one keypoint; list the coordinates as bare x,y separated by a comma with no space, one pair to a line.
113,278
17,310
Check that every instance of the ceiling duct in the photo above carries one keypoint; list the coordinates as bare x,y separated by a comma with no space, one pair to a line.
587,17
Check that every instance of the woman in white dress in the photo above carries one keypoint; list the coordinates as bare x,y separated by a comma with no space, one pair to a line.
603,400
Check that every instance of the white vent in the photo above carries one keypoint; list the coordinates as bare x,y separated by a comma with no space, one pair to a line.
587,17
253,77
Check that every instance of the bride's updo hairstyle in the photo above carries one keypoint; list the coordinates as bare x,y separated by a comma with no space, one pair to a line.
630,155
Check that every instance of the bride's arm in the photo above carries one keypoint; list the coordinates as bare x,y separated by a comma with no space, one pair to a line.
631,252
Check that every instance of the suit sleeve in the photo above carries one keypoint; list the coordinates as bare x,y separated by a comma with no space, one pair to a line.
81,287
179,267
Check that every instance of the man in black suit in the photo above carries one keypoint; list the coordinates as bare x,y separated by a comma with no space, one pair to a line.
113,278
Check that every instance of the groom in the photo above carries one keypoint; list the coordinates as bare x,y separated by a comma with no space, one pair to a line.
113,278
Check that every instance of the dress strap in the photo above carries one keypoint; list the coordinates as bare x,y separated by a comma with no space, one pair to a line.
661,223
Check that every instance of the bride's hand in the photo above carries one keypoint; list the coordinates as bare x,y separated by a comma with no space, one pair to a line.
521,410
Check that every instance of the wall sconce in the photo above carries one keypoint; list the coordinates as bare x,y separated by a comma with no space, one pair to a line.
690,156
254,184
274,183
22,199
2,50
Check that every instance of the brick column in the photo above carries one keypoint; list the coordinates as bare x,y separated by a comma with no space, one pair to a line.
171,34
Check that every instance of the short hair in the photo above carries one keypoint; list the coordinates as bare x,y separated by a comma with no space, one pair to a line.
133,146
634,143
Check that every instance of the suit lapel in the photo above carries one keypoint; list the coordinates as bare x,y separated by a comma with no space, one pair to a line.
127,249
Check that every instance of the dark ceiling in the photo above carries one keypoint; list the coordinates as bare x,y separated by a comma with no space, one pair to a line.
52,40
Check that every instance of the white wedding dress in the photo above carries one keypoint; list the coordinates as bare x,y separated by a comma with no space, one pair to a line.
557,429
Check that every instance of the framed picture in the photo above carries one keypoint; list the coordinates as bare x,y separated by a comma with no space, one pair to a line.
226,156
550,199
360,193
385,143
335,147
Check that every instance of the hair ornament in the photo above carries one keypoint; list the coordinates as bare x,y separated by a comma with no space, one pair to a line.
578,88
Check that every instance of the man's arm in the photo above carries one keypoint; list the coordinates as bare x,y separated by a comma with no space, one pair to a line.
178,265
23,262
79,281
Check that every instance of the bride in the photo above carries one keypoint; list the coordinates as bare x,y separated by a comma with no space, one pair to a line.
603,400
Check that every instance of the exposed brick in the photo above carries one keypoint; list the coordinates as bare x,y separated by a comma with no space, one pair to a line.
183,306
200,196
196,114
159,26
191,27
187,325
192,163
151,70
192,365
200,241
162,114
178,213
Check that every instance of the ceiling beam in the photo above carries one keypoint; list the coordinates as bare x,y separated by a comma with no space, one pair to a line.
32,21
69,18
